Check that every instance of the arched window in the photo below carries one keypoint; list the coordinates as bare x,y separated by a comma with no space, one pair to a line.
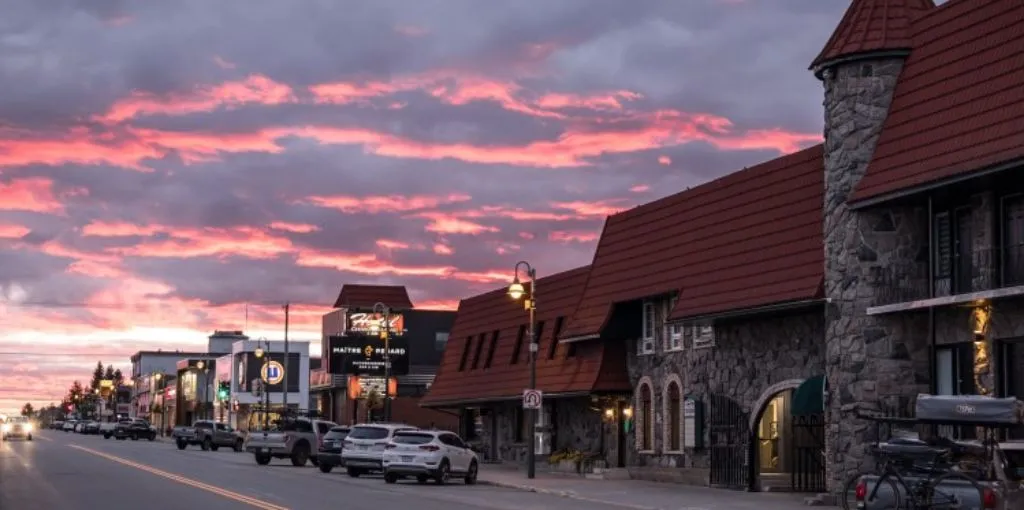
645,416
673,400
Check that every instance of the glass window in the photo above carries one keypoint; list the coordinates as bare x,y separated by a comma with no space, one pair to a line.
440,340
407,438
675,411
368,433
454,440
647,417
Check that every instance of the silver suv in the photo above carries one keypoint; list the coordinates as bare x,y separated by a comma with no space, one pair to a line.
364,446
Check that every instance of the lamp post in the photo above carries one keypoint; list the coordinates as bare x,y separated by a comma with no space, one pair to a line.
201,367
385,333
259,352
159,386
516,291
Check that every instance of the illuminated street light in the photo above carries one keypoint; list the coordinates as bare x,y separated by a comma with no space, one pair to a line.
516,291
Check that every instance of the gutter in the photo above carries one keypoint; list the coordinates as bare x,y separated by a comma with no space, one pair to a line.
488,400
750,312
579,338
921,188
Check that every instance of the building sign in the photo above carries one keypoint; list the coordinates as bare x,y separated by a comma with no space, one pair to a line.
373,323
320,378
359,387
272,372
364,355
276,374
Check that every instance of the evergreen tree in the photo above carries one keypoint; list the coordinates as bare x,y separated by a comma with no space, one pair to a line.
27,410
109,373
118,378
97,375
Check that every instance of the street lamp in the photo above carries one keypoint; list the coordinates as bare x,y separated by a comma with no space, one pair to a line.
385,334
259,352
159,377
203,399
517,291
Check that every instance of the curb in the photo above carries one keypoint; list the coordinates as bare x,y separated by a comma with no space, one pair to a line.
563,494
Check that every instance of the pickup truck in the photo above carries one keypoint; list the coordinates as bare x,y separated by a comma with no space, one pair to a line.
134,429
1001,486
297,439
208,435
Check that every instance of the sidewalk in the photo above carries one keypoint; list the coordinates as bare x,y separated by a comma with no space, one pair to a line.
641,495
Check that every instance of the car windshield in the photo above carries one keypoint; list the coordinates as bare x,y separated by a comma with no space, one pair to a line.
368,433
1014,464
407,438
336,433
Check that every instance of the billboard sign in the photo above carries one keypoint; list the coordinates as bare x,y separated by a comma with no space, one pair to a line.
373,323
364,355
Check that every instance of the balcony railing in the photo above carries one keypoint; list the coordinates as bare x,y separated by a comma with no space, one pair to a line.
957,273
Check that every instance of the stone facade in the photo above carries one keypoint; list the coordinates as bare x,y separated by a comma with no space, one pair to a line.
574,426
749,358
870,359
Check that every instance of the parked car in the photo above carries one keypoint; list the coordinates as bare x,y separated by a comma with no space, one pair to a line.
208,435
293,438
429,454
363,449
91,427
69,426
80,427
328,456
17,426
57,425
107,429
135,429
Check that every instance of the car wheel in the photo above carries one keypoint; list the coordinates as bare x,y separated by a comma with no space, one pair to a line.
30,437
262,460
206,444
152,436
353,472
182,444
300,454
471,474
325,468
135,437
313,460
214,447
390,478
444,472
421,478
106,436
238,446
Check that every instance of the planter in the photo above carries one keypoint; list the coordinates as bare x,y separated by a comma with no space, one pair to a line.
567,466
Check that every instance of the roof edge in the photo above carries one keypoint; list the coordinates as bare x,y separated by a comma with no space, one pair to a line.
751,312
819,68
874,200
488,400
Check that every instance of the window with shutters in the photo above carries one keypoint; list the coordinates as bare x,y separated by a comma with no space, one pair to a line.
703,336
646,343
942,254
674,333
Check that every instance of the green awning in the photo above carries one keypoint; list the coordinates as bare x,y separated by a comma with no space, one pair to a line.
808,398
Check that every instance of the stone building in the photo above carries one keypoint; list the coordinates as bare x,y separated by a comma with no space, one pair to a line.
486,369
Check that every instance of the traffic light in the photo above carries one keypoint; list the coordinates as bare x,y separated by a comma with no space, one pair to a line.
224,390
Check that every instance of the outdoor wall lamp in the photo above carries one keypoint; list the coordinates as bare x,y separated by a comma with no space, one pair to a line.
609,414
200,364
258,352
627,413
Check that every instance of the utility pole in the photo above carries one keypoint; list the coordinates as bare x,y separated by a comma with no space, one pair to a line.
287,369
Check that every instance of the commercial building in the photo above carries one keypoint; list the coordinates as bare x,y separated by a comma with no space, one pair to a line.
486,368
762,310
261,373
350,390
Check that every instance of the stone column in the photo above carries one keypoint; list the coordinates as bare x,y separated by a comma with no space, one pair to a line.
869,359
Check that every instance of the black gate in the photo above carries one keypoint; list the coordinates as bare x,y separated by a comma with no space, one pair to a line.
808,447
729,436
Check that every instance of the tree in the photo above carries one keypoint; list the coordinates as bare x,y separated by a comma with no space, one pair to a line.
109,373
27,410
118,378
97,375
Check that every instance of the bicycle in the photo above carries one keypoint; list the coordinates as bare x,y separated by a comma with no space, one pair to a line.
931,486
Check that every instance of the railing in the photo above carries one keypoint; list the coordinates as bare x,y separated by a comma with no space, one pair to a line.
955,273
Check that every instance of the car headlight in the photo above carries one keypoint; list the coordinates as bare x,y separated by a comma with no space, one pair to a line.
7,427
28,427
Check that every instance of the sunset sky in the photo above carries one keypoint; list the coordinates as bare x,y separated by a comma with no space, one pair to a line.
164,163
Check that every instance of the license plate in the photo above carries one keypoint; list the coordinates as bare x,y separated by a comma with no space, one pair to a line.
407,458
364,447
266,450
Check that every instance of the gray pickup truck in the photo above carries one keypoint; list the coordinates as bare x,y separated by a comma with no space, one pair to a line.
999,484
297,439
208,435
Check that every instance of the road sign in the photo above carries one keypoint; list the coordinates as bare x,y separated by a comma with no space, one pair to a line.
272,372
532,399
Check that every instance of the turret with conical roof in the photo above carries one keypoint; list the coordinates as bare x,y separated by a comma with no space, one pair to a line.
869,30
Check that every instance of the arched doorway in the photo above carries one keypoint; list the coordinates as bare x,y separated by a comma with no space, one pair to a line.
787,437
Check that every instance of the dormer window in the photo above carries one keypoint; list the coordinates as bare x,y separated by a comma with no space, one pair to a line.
646,343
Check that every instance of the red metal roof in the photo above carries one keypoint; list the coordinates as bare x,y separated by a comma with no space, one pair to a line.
363,297
592,367
872,26
959,103
752,238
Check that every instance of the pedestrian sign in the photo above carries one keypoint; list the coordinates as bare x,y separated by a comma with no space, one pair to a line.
532,399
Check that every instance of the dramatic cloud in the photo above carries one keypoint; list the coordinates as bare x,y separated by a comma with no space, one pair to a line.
167,169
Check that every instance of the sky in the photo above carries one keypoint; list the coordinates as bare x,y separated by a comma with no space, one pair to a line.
166,166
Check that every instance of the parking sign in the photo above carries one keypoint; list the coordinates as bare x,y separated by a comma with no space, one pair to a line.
532,399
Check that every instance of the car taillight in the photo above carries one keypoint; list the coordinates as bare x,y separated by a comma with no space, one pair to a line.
390,445
861,491
989,498
430,447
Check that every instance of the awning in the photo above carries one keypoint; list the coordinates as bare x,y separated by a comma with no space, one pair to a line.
809,397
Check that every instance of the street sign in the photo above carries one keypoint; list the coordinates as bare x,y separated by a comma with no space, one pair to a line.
532,399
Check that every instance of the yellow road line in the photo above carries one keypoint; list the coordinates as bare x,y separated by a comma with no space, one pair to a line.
264,505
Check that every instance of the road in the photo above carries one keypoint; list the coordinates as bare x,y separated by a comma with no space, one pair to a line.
64,471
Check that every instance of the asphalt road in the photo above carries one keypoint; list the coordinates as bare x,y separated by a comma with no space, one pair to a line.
64,471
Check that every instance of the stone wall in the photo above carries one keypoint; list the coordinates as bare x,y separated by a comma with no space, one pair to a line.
748,358
575,426
870,359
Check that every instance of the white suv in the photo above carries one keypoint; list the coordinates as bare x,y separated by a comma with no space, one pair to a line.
429,454
364,446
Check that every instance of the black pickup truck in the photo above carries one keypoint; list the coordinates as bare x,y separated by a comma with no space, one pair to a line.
135,429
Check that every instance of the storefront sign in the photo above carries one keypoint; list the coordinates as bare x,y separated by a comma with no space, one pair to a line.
359,387
374,323
364,355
